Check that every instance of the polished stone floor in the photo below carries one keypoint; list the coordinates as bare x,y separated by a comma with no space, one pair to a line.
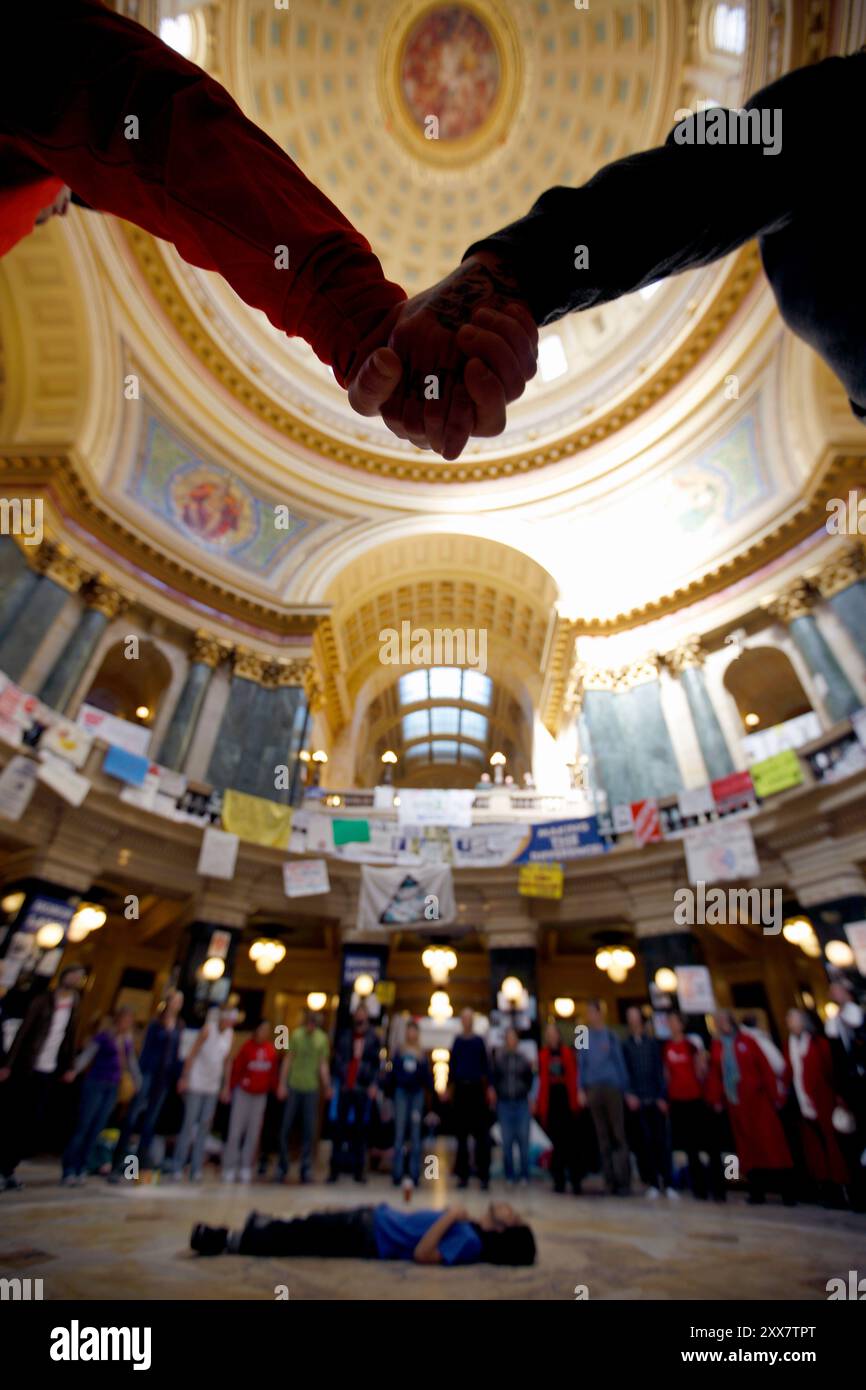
131,1242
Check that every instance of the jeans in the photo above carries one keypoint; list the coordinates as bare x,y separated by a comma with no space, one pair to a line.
335,1234
650,1142
142,1115
514,1123
694,1128
353,1118
198,1112
307,1102
98,1099
408,1114
608,1116
245,1127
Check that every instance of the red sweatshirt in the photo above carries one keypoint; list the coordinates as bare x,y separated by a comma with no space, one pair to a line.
682,1077
256,1068
199,174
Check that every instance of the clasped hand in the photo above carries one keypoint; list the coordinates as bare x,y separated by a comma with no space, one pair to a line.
450,359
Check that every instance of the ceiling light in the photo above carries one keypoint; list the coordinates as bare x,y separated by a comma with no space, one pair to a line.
666,980
316,1000
13,902
752,719
839,953
439,1007
214,968
49,936
364,985
143,712
512,989
563,1008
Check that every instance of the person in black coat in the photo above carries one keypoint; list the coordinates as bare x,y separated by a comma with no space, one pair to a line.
355,1071
38,1062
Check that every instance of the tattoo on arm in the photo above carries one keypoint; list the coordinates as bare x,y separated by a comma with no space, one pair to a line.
476,284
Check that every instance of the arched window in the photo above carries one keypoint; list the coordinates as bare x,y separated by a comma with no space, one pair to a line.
728,28
131,687
766,688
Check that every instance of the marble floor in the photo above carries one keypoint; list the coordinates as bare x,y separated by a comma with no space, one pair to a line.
132,1242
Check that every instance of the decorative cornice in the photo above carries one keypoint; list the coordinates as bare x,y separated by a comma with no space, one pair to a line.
688,654
158,273
273,674
208,650
249,666
840,572
797,601
56,562
101,594
621,678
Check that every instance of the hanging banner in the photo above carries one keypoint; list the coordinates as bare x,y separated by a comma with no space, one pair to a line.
62,778
734,793
564,839
17,711
540,880
218,855
487,846
622,819
125,766
696,801
856,934
777,774
388,843
695,990
647,821
420,896
312,833
17,785
122,733
305,877
722,851
432,806
257,820
67,740
792,734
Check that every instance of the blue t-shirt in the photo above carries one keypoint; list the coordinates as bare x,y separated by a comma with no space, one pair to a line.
398,1232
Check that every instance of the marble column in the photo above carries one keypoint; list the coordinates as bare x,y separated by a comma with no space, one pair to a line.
841,582
262,727
607,740
650,749
686,662
102,604
32,601
794,608
207,653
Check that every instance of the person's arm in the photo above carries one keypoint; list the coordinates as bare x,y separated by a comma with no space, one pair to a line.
619,1063
28,1024
132,1064
198,1044
427,1250
86,1056
683,205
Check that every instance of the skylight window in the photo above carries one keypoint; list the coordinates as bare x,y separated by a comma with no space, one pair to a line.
729,29
552,361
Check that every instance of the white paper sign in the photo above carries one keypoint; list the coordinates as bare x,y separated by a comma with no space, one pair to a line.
434,806
302,878
696,801
122,733
17,785
383,798
219,853
67,740
716,853
856,934
314,835
622,819
695,989
62,778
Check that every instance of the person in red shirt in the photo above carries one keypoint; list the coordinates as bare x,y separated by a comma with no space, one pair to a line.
809,1073
97,104
557,1105
254,1074
741,1080
691,1128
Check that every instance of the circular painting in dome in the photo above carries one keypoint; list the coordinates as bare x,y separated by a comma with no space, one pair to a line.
212,506
450,71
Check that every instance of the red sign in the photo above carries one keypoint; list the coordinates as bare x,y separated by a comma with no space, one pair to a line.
646,820
735,792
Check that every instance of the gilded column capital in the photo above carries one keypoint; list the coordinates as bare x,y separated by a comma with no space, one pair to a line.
289,671
101,594
56,562
639,672
797,601
688,654
250,666
840,572
208,650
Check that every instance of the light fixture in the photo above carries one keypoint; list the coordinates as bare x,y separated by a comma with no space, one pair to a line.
439,1007
143,712
12,903
316,1000
808,999
265,954
389,756
388,759
320,756
512,989
800,932
265,964
751,720
214,968
440,1057
88,918
440,961
666,980
49,936
563,1008
364,985
839,953
831,1009
497,759
304,755
615,961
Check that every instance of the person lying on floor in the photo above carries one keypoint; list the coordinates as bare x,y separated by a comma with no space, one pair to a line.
381,1233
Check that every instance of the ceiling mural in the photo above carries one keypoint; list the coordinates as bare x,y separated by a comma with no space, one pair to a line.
210,506
449,71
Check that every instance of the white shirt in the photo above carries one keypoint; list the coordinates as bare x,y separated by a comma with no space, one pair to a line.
797,1048
46,1062
206,1069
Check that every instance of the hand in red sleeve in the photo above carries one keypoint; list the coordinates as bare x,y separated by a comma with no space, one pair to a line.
456,355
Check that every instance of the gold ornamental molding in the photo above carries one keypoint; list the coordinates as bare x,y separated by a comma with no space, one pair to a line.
208,650
272,674
840,572
157,273
61,477
104,597
686,656
797,601
57,562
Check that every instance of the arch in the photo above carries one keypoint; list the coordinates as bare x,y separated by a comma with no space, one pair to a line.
121,686
763,683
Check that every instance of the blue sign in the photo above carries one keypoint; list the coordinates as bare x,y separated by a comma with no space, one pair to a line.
127,767
562,839
44,910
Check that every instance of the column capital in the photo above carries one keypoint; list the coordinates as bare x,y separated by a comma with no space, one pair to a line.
840,572
208,650
250,665
585,677
797,601
289,671
56,562
99,593
688,655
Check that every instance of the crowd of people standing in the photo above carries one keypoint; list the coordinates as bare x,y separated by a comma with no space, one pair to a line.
736,1107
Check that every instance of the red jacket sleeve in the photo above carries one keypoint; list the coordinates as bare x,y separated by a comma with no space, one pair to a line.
714,1091
239,1065
101,103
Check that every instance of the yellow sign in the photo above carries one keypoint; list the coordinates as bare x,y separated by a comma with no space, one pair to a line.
540,880
254,819
777,774
386,991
